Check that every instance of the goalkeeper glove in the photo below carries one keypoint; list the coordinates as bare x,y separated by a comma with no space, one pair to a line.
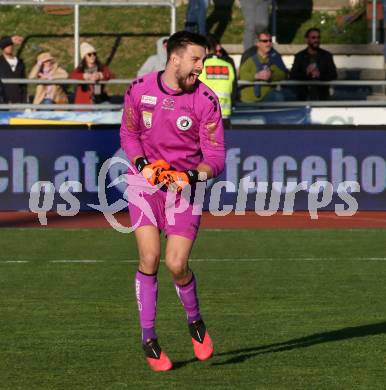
177,180
151,171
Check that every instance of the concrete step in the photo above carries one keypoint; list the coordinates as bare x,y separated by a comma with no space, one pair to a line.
321,5
379,96
354,62
315,5
361,74
368,49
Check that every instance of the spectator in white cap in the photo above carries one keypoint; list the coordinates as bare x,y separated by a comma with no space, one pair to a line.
46,68
90,69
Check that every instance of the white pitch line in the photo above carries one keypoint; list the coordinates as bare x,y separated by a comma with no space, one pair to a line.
213,260
16,261
76,261
291,259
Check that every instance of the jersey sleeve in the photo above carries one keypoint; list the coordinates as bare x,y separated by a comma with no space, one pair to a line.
212,135
130,129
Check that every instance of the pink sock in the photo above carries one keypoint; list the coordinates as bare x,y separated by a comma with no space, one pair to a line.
146,291
189,300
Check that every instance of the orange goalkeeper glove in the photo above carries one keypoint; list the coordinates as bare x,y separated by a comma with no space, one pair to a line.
177,180
151,171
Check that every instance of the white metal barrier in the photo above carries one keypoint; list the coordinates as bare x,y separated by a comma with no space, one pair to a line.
239,82
100,3
107,106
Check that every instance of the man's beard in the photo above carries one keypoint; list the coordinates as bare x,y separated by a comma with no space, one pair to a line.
184,86
315,46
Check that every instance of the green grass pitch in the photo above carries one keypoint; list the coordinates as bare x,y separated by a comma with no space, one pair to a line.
287,309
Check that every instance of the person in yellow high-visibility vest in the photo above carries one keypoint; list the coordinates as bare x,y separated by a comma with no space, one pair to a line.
219,75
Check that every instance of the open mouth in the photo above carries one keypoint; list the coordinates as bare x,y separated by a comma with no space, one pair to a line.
193,77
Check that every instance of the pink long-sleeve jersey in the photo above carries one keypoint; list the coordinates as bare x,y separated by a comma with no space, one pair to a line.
184,129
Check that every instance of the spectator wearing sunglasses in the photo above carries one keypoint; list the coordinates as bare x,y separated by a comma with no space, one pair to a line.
263,64
90,69
316,64
219,75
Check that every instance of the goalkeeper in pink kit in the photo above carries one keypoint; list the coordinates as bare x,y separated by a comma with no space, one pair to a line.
172,132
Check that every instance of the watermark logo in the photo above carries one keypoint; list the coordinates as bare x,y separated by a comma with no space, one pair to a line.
137,191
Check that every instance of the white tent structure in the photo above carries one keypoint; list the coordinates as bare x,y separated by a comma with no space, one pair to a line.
100,3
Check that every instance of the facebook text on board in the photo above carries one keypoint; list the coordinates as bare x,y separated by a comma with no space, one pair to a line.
21,170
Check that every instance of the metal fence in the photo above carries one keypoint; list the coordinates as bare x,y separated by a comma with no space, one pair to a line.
241,83
100,3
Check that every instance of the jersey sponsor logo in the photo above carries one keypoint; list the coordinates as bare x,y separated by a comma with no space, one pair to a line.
146,99
138,293
184,123
217,72
187,109
147,119
168,104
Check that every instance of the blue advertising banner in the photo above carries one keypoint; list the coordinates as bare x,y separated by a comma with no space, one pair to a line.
241,116
261,166
275,116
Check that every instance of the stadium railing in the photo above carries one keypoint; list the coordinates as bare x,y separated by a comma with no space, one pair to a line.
100,3
241,83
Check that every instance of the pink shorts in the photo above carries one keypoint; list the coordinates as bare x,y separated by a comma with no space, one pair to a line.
174,218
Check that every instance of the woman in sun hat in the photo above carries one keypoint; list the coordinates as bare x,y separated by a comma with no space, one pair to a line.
46,68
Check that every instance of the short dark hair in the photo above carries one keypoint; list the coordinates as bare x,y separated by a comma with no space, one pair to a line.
265,32
310,30
5,41
181,39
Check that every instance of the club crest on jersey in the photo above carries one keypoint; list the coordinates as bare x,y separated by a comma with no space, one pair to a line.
184,123
147,119
152,100
168,104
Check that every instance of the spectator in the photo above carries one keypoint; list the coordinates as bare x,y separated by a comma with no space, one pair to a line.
222,53
256,19
313,63
46,68
157,61
196,16
12,67
219,75
90,69
265,64
221,15
2,93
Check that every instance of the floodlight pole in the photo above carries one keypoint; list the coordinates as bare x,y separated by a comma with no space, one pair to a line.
374,22
173,17
274,21
76,35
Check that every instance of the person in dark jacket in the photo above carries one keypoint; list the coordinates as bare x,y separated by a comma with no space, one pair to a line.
12,67
220,17
316,64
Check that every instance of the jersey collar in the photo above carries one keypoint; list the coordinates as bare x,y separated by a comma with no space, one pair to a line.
163,89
